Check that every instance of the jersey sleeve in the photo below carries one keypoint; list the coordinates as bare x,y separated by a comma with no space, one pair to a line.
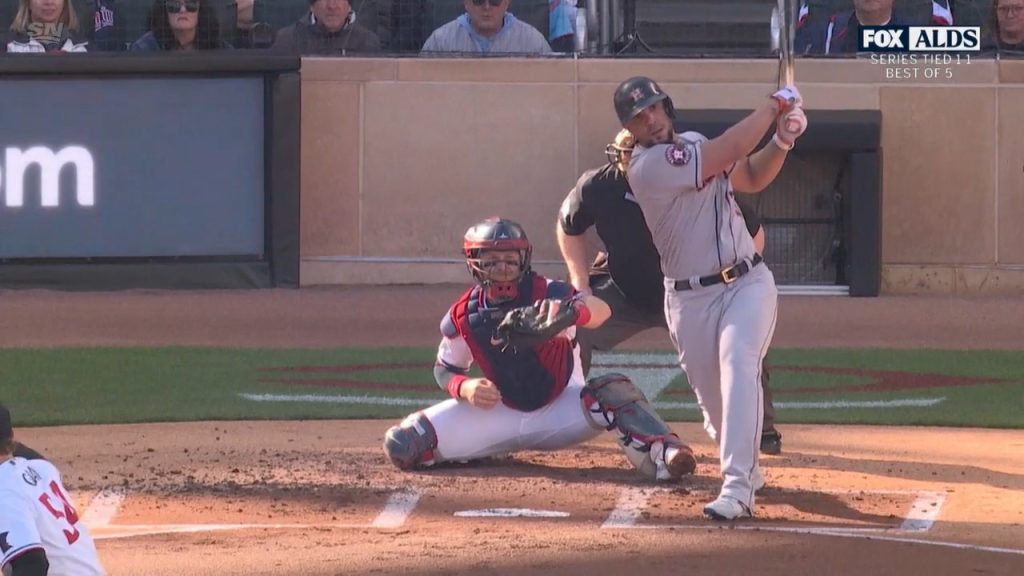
573,216
453,353
18,532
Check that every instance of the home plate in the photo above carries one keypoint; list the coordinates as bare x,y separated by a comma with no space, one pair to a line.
511,513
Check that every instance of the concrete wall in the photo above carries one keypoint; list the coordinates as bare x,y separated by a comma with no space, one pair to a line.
400,156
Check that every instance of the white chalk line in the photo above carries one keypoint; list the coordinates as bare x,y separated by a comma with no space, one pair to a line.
102,508
923,512
423,402
630,504
397,509
652,372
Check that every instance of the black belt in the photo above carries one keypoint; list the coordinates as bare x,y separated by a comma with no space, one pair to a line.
727,276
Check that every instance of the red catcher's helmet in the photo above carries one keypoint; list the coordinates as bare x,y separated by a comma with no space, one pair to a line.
498,235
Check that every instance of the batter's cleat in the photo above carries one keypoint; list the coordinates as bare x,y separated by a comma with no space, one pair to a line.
771,443
726,508
680,461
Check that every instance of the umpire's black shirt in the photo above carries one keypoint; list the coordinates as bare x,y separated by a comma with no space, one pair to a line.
602,198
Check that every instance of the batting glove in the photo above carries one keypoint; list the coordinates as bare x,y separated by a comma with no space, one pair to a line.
789,127
788,98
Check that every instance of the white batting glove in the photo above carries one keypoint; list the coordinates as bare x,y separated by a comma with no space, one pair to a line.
788,98
790,126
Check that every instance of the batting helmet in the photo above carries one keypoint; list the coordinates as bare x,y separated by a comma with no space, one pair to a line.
638,93
496,234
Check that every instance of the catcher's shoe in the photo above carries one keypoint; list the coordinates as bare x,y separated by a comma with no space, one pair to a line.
726,508
771,442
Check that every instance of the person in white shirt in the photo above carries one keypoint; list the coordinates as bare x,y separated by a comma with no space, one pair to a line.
40,532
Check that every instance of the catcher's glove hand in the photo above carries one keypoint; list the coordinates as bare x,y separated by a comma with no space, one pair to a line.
530,326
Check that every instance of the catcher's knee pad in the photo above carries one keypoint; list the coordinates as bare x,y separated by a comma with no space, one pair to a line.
612,401
411,444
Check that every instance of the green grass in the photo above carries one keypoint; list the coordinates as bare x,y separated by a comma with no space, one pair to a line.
125,385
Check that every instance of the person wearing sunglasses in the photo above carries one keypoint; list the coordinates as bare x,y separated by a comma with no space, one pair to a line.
44,26
181,25
486,27
328,29
1006,27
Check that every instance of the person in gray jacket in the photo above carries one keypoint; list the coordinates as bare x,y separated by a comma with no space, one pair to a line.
487,27
329,29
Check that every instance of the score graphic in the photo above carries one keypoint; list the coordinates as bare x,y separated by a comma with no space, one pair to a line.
920,52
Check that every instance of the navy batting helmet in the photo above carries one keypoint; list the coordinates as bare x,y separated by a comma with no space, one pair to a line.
638,93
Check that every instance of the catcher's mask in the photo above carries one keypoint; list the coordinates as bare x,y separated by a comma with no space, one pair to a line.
496,235
620,150
636,94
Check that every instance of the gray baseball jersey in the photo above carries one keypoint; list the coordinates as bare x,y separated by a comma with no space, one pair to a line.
722,331
694,218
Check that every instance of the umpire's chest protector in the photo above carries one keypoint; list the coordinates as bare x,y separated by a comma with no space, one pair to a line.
527,378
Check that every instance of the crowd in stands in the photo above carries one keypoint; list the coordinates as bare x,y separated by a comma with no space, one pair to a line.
836,32
428,27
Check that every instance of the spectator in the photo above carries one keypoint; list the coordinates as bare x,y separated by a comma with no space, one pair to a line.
329,29
1006,26
488,27
45,26
562,25
839,34
181,25
106,33
243,26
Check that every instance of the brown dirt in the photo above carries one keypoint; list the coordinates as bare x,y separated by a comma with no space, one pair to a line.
313,488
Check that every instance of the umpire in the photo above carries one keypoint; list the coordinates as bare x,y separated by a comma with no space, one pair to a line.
627,274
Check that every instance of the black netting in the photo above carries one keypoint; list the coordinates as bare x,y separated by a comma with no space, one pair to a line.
802,215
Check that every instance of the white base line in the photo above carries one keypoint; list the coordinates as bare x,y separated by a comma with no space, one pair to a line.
865,533
923,512
631,503
399,506
103,508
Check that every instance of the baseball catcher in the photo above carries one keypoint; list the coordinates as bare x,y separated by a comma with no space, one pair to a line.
519,328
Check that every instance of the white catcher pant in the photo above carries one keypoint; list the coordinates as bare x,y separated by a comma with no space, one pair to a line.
722,334
465,432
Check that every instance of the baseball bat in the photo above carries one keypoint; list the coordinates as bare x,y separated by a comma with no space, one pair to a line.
783,31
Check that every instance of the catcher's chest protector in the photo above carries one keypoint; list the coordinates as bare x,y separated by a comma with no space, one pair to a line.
528,379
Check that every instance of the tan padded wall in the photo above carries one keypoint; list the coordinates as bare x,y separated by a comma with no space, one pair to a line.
400,156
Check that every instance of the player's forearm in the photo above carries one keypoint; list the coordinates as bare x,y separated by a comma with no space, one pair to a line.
765,165
574,252
449,378
739,140
598,310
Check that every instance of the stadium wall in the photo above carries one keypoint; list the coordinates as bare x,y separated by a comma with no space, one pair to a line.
400,156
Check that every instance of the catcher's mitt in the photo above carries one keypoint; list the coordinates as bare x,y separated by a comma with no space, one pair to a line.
530,326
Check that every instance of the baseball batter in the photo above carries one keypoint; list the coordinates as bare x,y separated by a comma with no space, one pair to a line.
720,298
529,397
627,274
40,533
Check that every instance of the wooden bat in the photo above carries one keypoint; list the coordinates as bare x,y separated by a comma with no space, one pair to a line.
783,35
